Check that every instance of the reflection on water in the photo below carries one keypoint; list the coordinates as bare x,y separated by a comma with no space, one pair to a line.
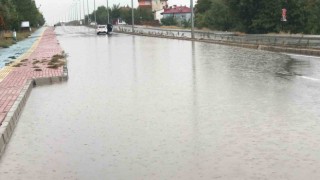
168,109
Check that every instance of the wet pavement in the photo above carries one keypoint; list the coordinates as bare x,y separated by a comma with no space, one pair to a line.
32,63
147,108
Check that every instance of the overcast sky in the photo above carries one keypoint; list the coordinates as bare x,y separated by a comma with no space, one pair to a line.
55,10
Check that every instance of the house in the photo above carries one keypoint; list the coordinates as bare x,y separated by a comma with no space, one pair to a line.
180,13
154,5
158,15
118,21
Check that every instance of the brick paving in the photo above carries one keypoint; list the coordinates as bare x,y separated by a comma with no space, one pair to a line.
13,79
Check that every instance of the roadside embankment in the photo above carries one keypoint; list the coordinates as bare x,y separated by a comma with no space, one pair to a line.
269,45
44,63
7,39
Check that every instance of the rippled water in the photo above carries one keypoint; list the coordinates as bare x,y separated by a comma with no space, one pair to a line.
148,108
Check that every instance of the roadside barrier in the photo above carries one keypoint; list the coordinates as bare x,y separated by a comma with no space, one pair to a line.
299,44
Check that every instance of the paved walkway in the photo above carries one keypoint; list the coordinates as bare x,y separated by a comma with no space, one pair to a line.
30,65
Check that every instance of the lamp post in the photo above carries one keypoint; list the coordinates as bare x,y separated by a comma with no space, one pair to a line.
108,12
75,10
84,13
95,12
88,12
80,17
192,20
132,16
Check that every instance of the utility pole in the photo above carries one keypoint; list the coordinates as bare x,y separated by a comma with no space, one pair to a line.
192,19
88,12
84,13
80,17
76,10
108,12
132,17
95,12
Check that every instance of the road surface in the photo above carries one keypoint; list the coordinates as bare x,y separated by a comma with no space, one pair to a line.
147,108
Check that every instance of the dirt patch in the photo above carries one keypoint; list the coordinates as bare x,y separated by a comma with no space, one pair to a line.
17,65
57,61
35,62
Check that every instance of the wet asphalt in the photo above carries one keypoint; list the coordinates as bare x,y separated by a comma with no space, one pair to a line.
147,108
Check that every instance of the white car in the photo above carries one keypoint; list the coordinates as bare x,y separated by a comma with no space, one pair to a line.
102,29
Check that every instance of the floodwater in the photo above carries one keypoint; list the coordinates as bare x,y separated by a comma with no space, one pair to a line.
147,108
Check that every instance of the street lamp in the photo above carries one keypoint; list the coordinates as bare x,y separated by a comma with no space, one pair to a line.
192,20
95,13
132,17
89,20
107,12
80,21
84,13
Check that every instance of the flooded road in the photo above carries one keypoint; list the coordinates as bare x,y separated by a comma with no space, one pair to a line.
148,108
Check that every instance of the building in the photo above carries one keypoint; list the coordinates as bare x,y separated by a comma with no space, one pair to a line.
180,13
154,5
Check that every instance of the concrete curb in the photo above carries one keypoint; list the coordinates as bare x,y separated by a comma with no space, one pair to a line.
12,117
283,49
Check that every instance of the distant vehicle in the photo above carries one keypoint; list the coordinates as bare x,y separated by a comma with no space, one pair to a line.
109,27
102,29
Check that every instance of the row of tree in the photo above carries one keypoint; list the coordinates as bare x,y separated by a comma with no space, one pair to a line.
259,16
250,16
124,13
13,12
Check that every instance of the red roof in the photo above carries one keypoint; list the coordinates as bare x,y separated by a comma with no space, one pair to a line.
177,10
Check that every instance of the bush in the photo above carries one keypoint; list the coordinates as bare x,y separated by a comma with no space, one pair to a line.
169,21
186,24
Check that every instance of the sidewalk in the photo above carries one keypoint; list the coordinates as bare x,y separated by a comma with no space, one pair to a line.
31,65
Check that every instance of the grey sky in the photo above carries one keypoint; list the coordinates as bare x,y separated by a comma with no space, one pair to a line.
55,10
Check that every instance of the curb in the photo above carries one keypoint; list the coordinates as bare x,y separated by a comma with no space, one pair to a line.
12,117
272,48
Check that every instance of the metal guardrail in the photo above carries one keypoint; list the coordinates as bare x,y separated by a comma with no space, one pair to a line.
296,41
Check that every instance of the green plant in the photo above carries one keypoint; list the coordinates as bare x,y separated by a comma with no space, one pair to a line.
169,21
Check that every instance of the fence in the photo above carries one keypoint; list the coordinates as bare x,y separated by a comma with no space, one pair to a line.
296,41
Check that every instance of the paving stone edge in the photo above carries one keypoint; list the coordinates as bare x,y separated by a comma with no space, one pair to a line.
12,117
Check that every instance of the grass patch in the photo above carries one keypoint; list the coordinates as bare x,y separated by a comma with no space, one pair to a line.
54,66
35,62
17,65
8,63
43,60
5,43
57,61
21,35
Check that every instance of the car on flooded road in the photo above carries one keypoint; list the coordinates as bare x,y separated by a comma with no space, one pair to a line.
102,29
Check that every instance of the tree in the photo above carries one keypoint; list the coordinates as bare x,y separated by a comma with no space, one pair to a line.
102,15
8,15
263,16
313,16
219,16
297,16
115,11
